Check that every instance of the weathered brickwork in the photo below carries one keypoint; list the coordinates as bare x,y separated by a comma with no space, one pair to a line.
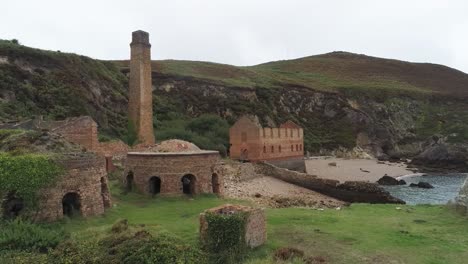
86,177
116,149
140,105
255,229
81,130
169,168
250,141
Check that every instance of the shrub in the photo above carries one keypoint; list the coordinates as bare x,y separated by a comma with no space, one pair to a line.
142,247
25,175
132,136
25,236
287,253
206,131
120,226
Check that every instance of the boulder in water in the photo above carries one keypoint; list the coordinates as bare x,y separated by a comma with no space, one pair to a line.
424,185
387,180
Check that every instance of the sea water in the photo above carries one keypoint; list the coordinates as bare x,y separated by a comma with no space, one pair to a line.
446,188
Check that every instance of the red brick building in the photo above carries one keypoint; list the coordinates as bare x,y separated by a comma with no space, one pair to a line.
250,141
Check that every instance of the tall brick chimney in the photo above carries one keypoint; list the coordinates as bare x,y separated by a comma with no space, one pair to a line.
140,104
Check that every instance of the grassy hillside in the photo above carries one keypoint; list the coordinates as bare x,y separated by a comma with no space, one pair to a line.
334,96
361,233
59,85
329,72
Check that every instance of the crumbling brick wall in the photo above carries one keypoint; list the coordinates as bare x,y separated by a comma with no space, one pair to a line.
81,130
85,175
116,149
255,225
170,168
353,191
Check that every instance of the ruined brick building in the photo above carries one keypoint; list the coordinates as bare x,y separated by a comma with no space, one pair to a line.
81,130
251,142
83,189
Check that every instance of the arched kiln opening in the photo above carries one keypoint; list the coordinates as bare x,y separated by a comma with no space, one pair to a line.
188,184
215,183
129,182
105,193
12,206
71,204
154,185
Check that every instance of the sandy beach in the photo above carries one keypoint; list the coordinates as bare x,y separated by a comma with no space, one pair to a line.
354,169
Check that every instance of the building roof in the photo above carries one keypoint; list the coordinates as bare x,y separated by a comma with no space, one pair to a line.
172,145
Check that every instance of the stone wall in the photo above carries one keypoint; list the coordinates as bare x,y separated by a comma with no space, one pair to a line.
255,229
250,141
170,168
353,192
86,176
295,164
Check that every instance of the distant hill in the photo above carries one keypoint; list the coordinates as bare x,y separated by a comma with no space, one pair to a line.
328,72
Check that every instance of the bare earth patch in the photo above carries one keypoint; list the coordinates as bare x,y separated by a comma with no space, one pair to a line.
271,192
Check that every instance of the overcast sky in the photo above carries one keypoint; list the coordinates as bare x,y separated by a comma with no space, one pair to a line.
245,32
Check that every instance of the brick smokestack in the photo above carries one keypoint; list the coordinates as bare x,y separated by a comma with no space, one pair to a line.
140,105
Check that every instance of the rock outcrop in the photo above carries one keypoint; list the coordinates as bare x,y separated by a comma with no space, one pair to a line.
442,156
423,185
387,180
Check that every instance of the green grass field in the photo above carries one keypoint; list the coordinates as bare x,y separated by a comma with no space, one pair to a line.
361,233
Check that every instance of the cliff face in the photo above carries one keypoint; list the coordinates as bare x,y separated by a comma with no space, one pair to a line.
389,108
387,126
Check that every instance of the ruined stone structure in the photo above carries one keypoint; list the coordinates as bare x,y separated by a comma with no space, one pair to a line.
82,190
82,130
140,105
249,141
255,228
173,173
461,201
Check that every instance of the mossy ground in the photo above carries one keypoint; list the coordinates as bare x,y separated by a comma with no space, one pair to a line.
361,233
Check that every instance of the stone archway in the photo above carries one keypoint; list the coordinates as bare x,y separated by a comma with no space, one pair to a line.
129,182
189,184
105,193
215,183
12,206
71,204
154,185
244,156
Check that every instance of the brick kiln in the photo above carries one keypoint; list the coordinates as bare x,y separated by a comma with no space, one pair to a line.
82,190
172,167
